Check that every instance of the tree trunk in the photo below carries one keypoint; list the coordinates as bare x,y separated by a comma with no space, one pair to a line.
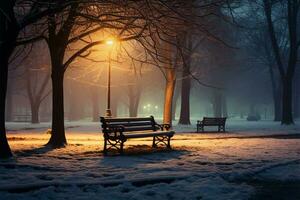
8,35
277,106
296,105
224,106
286,75
174,103
131,98
9,105
217,104
296,96
252,111
169,92
35,107
134,95
287,102
275,94
133,109
185,97
5,151
58,138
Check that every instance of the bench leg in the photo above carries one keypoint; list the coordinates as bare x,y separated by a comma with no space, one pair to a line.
105,147
153,143
121,147
169,145
165,140
200,127
223,128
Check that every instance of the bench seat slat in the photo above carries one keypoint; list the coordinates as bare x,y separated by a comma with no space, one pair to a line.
149,134
128,119
131,129
126,124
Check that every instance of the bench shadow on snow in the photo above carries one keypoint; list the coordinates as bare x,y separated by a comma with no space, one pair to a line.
141,154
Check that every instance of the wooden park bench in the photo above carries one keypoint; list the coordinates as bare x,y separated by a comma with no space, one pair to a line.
117,131
212,121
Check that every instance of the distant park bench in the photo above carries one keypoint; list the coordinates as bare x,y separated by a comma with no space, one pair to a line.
117,131
212,121
22,118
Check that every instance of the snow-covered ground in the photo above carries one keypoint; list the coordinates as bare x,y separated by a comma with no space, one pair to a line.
253,160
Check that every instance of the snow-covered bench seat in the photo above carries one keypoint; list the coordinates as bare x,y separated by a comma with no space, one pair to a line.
116,131
212,121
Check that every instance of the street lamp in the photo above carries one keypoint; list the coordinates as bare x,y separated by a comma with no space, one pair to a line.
109,42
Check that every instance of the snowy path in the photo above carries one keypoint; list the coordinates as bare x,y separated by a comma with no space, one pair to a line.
201,166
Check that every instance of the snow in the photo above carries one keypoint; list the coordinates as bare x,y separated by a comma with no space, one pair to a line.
201,165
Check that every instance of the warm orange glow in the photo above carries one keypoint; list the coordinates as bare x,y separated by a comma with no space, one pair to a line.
110,42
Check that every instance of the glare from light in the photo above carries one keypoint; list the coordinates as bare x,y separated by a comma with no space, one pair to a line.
109,42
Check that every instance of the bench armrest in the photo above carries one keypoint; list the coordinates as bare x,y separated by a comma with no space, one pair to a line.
199,122
164,126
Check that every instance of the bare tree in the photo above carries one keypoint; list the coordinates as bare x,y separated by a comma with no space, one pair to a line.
11,26
290,10
36,95
134,94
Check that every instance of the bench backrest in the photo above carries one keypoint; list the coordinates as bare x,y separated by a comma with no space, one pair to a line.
214,120
130,124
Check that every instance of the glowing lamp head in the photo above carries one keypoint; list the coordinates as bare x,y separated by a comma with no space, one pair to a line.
109,42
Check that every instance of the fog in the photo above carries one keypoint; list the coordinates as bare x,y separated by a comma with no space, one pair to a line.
243,82
231,73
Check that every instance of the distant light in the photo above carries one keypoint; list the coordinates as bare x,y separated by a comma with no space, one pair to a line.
156,107
145,107
109,42
149,105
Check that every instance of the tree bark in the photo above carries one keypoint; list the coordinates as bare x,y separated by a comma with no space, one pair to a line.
5,151
175,99
275,94
277,105
169,92
185,97
35,107
296,97
224,106
217,104
8,36
134,94
58,138
296,106
9,105
133,109
287,102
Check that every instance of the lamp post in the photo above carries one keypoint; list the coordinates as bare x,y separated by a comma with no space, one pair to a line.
108,110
